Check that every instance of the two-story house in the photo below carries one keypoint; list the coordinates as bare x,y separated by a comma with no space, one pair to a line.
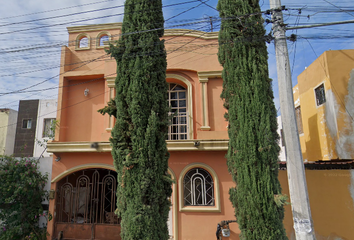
83,181
83,174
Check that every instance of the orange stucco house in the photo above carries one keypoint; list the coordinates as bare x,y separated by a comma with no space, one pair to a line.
82,164
83,182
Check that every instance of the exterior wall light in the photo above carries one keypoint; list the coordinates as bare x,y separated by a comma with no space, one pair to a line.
52,194
86,92
223,229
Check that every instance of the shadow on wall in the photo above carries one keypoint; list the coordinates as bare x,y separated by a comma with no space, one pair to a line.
313,144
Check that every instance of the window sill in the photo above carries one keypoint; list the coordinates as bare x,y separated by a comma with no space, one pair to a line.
201,209
83,48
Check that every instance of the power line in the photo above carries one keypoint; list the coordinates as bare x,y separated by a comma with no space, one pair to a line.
208,5
58,9
87,19
60,16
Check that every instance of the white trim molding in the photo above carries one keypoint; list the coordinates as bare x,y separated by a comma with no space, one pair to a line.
111,82
204,79
94,27
175,202
81,167
191,33
190,100
216,208
98,40
181,145
111,85
78,39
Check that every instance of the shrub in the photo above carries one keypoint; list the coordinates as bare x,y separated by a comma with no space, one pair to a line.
21,194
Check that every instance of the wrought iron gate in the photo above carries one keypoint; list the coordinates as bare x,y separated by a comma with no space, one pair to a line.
85,205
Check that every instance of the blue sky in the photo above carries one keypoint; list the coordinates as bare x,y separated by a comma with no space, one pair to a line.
31,33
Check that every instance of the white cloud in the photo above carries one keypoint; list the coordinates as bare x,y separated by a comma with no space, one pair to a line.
22,66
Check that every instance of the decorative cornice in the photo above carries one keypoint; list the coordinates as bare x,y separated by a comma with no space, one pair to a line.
94,27
111,81
198,145
191,33
167,32
83,73
205,128
184,145
204,76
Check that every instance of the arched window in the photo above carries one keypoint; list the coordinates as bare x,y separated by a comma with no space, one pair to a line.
82,42
177,100
87,196
198,188
103,39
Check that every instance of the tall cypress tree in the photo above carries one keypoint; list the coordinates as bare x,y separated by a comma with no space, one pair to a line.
138,137
253,147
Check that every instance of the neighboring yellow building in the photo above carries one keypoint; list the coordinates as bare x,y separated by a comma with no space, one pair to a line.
324,106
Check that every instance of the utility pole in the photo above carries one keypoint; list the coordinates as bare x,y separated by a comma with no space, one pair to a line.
211,24
300,205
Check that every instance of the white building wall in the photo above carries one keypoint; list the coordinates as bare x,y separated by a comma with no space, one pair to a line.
45,166
11,132
282,156
4,119
47,109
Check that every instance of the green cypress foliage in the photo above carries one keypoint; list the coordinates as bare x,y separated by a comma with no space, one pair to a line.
138,138
253,147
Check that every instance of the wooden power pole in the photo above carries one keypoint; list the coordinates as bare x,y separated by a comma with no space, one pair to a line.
300,205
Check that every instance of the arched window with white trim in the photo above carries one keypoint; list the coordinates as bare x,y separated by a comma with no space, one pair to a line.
177,100
103,39
198,188
82,42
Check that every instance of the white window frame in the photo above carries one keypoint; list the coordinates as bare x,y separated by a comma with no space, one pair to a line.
324,89
189,101
216,191
179,119
98,39
78,41
28,123
206,182
44,135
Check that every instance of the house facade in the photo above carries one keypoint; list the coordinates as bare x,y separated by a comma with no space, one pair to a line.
8,118
197,139
83,177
